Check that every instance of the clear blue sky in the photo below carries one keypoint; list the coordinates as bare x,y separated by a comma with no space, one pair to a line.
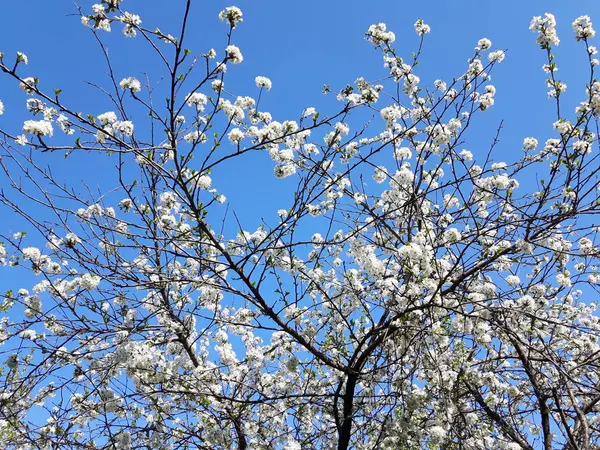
300,46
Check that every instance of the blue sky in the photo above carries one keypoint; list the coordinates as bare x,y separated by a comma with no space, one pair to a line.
301,46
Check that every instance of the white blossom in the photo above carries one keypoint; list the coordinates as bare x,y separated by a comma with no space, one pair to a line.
234,55
546,29
131,83
198,100
483,44
263,82
378,34
231,14
38,127
422,28
583,28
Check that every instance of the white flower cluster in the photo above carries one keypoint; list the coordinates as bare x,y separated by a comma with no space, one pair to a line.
263,82
378,35
217,85
29,85
233,111
483,44
198,100
593,101
199,181
96,210
33,304
530,143
31,253
285,170
391,114
555,87
443,133
195,137
231,14
234,55
583,28
546,29
451,236
496,56
236,135
131,83
3,254
22,57
112,127
131,21
380,174
89,281
65,124
40,262
38,127
98,19
107,118
365,93
586,246
487,99
421,28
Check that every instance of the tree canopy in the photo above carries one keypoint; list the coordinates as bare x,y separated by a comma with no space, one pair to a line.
409,294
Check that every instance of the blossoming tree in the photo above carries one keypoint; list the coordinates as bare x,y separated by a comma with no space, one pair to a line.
409,295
